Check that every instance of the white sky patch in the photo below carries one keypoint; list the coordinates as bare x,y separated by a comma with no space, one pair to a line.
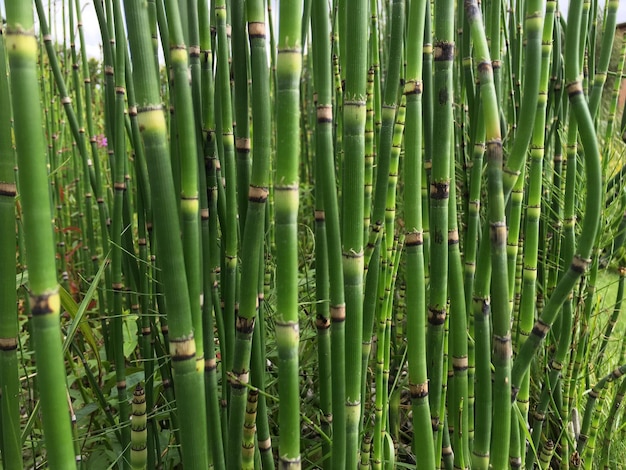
93,40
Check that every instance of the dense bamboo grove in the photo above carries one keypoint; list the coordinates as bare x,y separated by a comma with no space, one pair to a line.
311,234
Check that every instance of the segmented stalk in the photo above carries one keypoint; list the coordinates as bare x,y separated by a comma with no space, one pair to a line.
139,433
286,195
9,403
22,51
188,383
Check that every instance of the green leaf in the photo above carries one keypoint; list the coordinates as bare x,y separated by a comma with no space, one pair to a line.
77,312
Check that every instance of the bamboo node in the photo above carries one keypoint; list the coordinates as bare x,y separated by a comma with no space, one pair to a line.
265,444
45,303
194,51
415,238
453,237
540,329
460,363
580,264
485,67
8,189
257,194
440,189
443,51
182,349
320,216
242,144
338,313
322,323
244,325
436,316
418,391
574,88
238,380
66,100
502,346
8,344
210,364
413,87
256,29
324,114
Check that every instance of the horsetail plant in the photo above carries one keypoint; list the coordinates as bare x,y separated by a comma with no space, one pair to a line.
152,123
9,403
45,304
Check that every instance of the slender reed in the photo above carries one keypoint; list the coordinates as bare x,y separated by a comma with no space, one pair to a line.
22,49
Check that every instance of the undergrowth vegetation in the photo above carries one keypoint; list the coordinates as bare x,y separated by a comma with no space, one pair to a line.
312,234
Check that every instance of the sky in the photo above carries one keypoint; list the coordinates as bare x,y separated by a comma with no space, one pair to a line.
91,29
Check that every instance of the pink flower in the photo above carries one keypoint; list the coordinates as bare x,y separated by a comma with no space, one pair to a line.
101,141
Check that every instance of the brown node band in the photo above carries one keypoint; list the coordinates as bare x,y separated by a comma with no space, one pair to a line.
436,316
322,323
460,364
574,88
45,303
257,194
418,390
485,67
324,114
8,344
320,215
210,364
242,144
8,189
413,87
579,264
182,349
540,329
453,237
338,313
443,51
244,325
440,190
256,29
414,239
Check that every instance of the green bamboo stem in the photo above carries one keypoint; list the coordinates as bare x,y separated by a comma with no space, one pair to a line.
188,383
9,403
264,440
326,176
33,182
227,147
286,186
443,45
253,234
139,430
249,431
120,187
589,230
609,432
415,286
354,114
458,346
497,237
533,28
210,251
596,393
600,71
533,211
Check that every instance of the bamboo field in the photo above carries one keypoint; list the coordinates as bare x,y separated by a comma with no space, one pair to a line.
312,234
